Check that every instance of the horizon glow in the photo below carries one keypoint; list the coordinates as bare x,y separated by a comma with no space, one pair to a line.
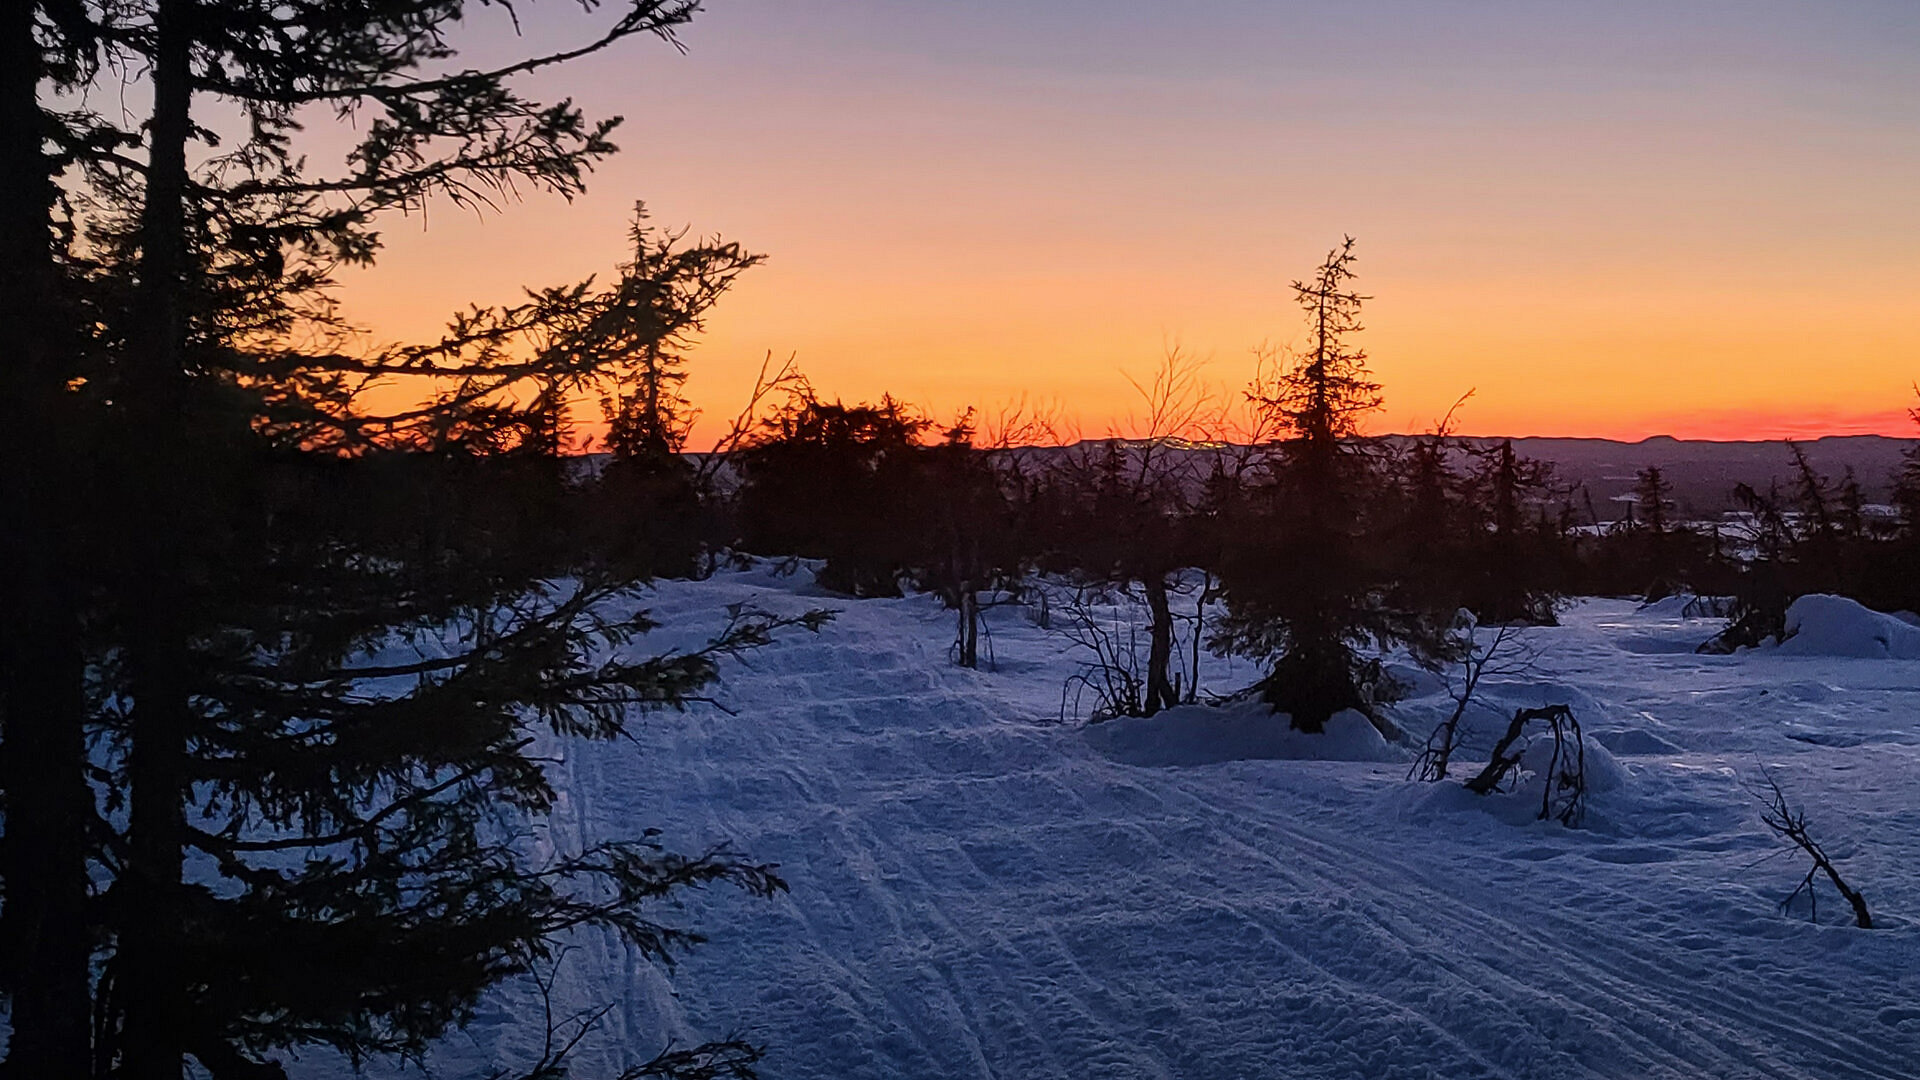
1645,219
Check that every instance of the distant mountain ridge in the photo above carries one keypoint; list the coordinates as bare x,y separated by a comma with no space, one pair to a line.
1703,472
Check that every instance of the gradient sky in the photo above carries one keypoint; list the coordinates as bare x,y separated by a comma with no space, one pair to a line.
1619,218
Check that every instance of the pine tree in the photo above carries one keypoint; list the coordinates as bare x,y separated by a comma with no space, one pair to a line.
1305,585
653,517
45,942
825,480
327,709
1513,560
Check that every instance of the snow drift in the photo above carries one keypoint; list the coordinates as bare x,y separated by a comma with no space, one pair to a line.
1243,731
1823,625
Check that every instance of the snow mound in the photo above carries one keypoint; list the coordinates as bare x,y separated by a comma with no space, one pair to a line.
1242,731
1518,802
1604,772
1823,625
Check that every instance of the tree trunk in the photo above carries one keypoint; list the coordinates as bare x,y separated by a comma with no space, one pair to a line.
43,854
1199,634
968,607
1160,691
152,1035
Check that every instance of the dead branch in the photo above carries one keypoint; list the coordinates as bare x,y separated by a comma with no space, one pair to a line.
1782,818
1111,674
1503,656
1563,791
728,1059
785,379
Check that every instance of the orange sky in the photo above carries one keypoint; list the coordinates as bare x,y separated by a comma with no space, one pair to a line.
1615,223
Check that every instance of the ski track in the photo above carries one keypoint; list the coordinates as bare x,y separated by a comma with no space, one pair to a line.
977,893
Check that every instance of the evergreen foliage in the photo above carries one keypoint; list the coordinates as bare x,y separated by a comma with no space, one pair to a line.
1303,583
319,648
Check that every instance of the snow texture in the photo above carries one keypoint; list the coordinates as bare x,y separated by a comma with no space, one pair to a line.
1243,731
981,890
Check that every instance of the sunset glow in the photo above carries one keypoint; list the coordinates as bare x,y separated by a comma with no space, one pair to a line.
1608,220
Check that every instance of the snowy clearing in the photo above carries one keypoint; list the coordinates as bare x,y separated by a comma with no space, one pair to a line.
980,890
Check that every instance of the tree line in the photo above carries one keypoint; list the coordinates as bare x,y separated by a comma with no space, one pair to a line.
1319,546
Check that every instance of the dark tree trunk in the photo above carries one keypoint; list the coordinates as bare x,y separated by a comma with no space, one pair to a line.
1160,691
967,604
1199,634
43,855
152,1035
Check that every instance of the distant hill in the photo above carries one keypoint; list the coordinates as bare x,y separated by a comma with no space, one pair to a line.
1703,473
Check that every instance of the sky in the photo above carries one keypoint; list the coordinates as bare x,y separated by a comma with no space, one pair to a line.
1687,217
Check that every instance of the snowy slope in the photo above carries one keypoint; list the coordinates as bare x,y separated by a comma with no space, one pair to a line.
979,890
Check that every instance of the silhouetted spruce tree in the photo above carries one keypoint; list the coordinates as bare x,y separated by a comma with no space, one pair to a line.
1810,538
1513,556
1823,550
1850,507
324,713
1765,583
651,517
1900,559
1431,524
1303,581
46,49
828,480
962,537
1652,499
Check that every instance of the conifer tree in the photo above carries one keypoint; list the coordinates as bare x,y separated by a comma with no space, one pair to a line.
653,516
827,480
1652,498
962,539
323,710
1900,563
1513,557
47,48
1304,585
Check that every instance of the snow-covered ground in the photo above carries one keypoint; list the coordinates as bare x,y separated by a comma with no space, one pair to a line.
981,890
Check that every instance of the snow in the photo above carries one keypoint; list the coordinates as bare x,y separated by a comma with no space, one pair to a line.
1242,731
979,889
1821,625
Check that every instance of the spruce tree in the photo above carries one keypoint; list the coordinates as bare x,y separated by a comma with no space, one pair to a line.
1652,498
962,539
45,943
652,514
826,480
310,717
1305,584
1512,558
